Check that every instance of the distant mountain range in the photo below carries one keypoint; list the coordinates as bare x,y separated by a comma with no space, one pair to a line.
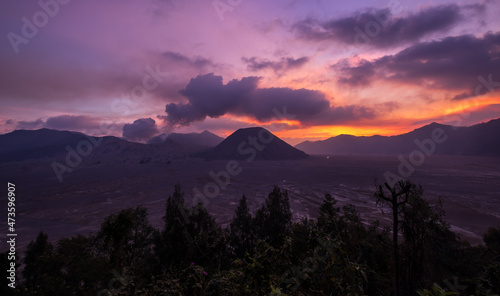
248,144
35,144
479,140
192,142
253,143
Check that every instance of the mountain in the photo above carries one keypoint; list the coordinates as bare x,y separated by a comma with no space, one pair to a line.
36,144
480,140
252,143
192,142
29,144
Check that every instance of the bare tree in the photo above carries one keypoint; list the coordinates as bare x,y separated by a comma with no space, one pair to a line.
398,197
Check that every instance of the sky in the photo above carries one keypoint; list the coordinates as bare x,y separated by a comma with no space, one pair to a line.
304,69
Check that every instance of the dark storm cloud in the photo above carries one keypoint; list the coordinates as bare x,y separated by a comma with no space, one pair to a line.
286,63
197,62
141,130
209,97
379,28
462,63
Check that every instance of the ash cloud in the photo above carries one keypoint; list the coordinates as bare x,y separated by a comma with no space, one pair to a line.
140,130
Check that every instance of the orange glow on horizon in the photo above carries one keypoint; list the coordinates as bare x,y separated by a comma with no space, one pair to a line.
388,125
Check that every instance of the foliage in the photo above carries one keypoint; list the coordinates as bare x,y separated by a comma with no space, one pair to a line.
436,290
263,254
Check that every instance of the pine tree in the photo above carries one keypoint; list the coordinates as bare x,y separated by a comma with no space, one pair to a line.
273,219
241,233
329,215
175,241
42,269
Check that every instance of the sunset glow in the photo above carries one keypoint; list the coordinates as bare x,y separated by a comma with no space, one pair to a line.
360,68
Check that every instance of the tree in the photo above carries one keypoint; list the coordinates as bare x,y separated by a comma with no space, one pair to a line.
492,239
42,269
241,236
127,237
207,242
427,240
328,215
175,241
273,219
399,195
84,270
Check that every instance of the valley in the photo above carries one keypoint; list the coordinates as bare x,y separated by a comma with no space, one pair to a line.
469,188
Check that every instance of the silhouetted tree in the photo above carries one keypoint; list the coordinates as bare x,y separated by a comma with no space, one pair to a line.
492,239
127,237
241,233
84,270
42,268
207,241
273,219
427,239
329,215
175,241
399,195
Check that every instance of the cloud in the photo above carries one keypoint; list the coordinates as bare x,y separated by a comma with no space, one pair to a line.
141,130
72,122
198,62
379,28
209,97
41,77
94,126
30,125
467,117
359,75
465,64
286,63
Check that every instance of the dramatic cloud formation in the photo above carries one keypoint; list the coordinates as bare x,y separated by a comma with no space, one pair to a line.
122,61
379,28
462,63
141,130
209,97
256,64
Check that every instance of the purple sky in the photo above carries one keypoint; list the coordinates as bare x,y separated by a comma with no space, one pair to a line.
140,68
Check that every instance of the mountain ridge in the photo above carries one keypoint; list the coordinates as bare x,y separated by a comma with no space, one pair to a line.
481,139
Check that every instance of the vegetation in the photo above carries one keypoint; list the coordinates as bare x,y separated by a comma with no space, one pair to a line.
267,253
